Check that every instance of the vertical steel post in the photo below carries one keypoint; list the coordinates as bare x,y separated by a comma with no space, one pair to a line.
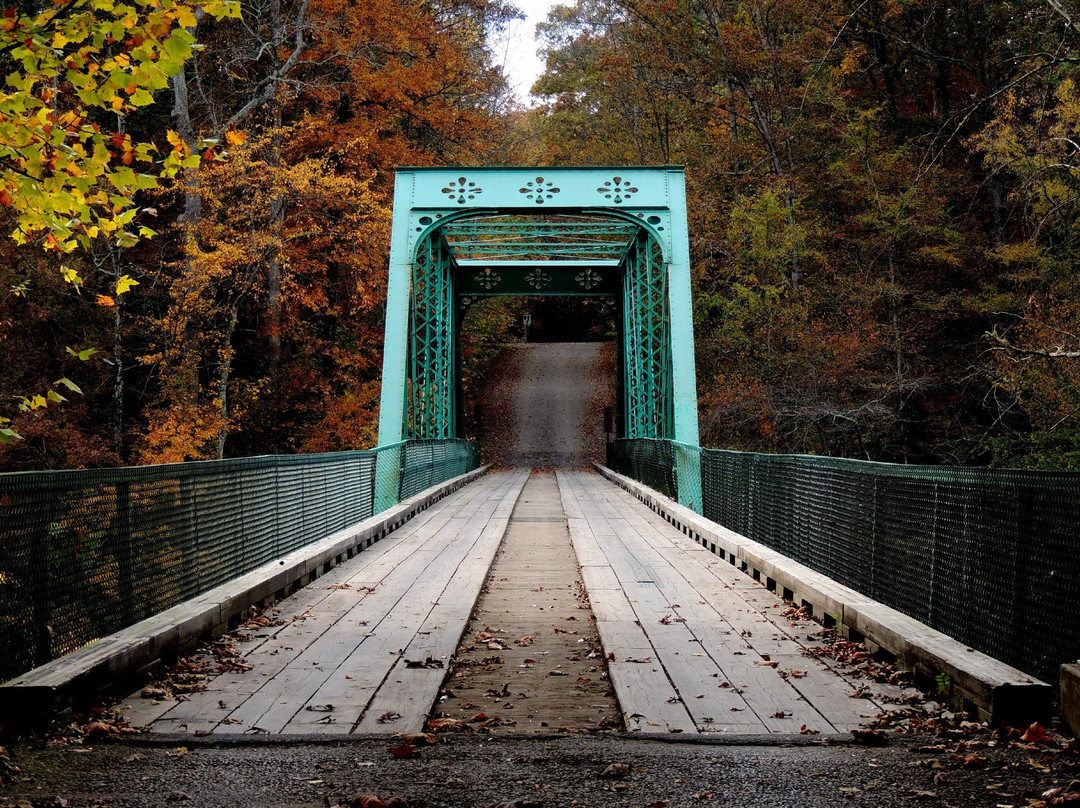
396,337
683,372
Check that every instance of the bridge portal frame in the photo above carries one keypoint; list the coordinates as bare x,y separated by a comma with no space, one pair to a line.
423,311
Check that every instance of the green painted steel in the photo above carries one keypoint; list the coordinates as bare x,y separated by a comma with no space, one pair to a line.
432,343
545,278
647,393
614,233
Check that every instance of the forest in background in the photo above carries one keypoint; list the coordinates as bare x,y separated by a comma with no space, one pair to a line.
882,217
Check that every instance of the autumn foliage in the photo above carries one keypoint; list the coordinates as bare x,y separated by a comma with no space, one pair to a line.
883,204
883,212
256,324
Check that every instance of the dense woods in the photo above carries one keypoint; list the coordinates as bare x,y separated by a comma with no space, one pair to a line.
883,213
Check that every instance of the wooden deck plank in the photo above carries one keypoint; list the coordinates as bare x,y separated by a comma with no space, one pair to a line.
684,597
647,709
461,565
307,615
340,628
775,702
372,659
410,692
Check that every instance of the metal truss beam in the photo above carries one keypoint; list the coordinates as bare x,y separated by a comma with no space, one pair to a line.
538,230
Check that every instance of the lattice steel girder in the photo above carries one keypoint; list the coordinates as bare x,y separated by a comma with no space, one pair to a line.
584,250
624,200
647,400
432,350
491,278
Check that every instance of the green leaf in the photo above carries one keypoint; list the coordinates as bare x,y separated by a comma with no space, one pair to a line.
141,98
55,396
9,435
69,384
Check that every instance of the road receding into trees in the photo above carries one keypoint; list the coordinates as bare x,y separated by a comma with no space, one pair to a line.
543,405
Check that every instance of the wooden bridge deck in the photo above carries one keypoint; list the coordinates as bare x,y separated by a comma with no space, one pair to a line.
696,646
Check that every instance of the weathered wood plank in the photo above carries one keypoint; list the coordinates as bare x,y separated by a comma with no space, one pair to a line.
342,640
689,605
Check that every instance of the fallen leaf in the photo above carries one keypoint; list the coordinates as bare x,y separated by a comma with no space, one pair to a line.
972,761
420,739
406,750
1036,733
615,770
870,737
365,801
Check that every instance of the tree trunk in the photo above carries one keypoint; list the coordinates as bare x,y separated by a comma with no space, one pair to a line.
997,192
118,383
273,265
224,369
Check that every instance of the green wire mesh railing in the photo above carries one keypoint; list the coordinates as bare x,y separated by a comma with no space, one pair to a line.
86,553
990,557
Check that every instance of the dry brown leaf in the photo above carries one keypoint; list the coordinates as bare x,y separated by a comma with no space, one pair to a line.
615,770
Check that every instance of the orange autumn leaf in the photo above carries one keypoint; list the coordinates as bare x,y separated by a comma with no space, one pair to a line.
1036,733
106,301
234,137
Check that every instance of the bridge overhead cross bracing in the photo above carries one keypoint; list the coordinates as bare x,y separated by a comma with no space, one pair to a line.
613,233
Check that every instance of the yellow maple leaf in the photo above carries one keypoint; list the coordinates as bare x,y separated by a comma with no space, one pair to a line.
234,137
124,284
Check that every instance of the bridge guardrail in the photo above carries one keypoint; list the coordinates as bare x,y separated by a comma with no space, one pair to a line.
990,557
84,553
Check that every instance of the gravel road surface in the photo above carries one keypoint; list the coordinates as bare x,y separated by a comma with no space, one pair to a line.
532,771
543,405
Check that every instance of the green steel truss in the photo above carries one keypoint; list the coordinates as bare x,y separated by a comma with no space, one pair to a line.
432,351
463,234
646,342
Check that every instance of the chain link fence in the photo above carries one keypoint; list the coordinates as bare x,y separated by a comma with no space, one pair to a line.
990,557
86,553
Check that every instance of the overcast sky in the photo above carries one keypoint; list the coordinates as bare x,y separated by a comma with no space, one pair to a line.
517,51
